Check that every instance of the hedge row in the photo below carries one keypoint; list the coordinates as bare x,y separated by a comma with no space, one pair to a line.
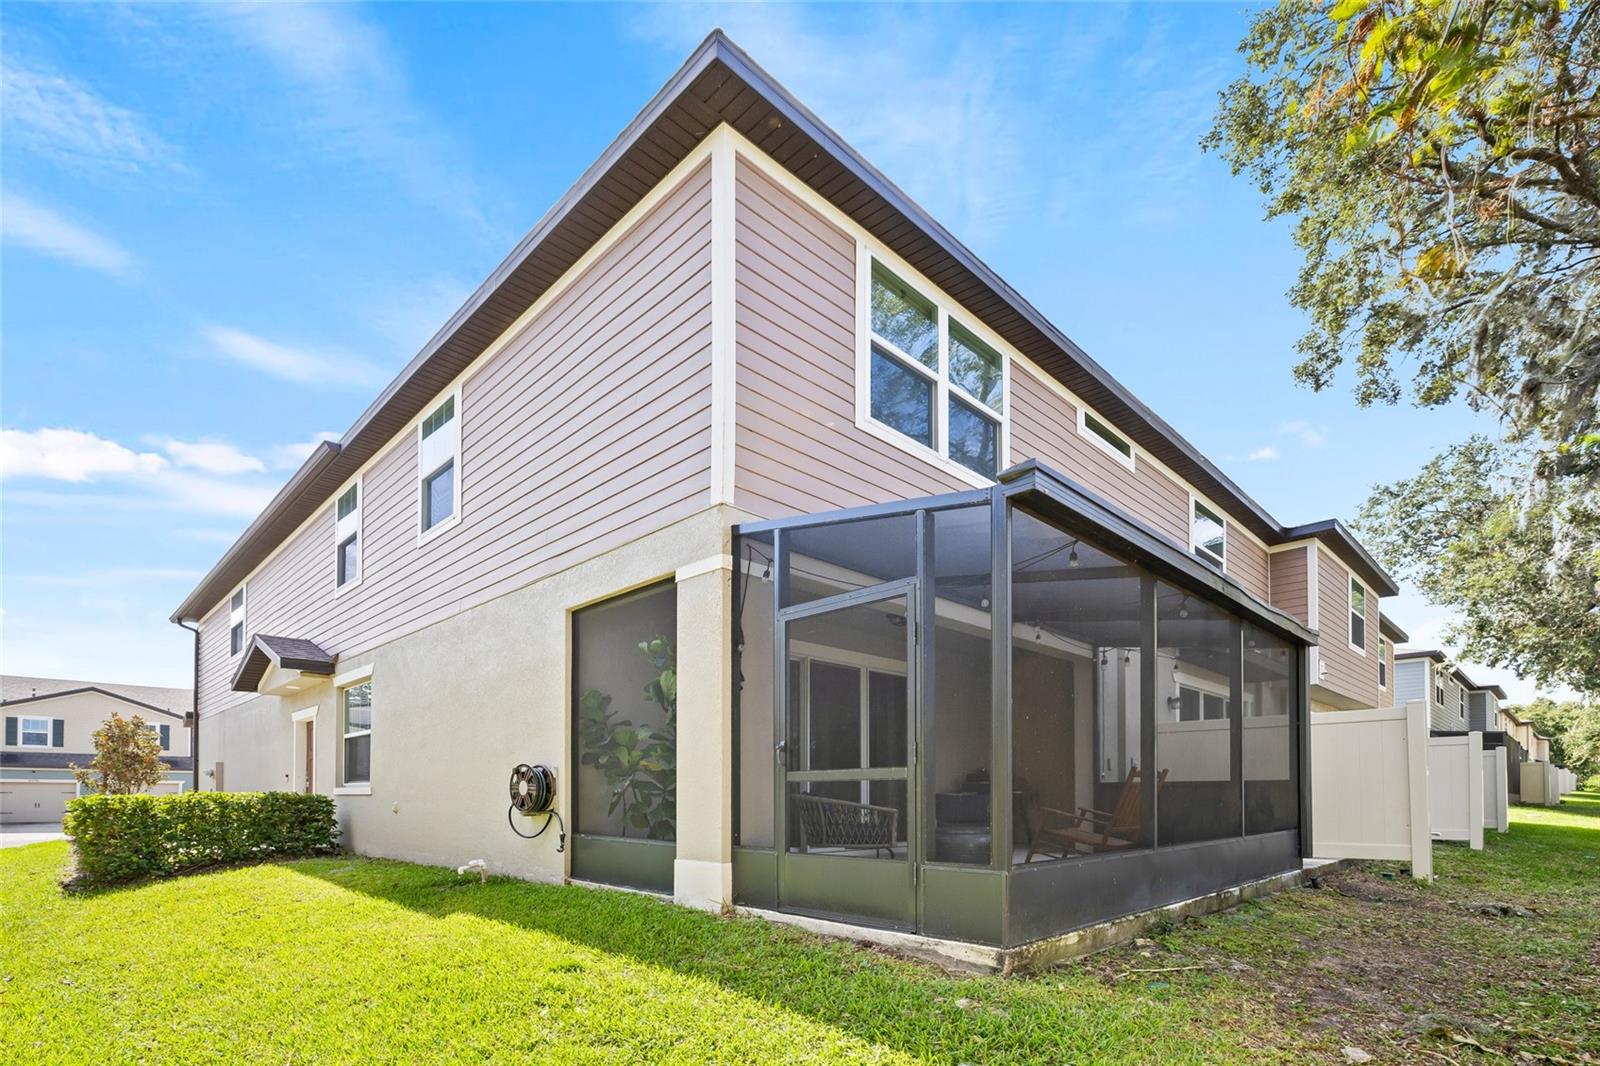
119,838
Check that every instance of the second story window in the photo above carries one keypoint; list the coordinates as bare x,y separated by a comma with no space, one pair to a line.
35,733
1358,616
1383,662
1438,686
1208,533
931,379
236,623
347,537
438,467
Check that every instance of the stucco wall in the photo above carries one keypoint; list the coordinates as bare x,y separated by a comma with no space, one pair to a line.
456,705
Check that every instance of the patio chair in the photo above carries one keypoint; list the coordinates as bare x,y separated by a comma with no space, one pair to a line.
835,823
1091,830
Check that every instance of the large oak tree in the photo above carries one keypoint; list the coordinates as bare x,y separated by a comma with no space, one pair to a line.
1438,160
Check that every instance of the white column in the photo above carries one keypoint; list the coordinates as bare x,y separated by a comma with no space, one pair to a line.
1417,785
703,870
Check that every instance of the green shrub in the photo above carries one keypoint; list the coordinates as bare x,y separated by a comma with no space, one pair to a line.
119,838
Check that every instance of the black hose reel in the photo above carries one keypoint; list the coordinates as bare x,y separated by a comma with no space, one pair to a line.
533,792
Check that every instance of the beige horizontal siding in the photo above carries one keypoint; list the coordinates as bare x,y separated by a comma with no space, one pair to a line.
1348,672
1287,573
589,429
798,448
1044,426
1247,563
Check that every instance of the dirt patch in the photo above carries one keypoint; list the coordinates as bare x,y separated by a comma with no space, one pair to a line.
1385,967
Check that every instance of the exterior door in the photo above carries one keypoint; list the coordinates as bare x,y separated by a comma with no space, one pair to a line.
309,740
846,795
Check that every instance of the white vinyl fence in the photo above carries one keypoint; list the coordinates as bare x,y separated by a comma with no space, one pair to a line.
1455,789
1496,805
1369,786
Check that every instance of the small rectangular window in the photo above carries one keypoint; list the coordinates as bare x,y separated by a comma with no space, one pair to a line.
439,418
347,538
355,718
438,468
1097,430
36,732
236,623
349,560
1358,616
1208,533
439,496
1383,662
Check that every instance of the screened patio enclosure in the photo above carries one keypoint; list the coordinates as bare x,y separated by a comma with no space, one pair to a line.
1003,714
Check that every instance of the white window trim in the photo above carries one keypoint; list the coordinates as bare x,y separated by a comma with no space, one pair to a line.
1350,612
866,252
1195,548
296,765
344,527
1104,445
1383,663
244,608
22,730
453,428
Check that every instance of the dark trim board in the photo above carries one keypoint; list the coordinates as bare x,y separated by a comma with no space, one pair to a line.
642,864
1047,899
56,759
20,700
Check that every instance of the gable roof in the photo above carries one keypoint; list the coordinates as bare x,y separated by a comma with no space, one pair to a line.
25,691
719,84
289,653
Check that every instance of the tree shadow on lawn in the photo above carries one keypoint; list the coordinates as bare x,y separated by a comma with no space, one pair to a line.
874,995
1073,1012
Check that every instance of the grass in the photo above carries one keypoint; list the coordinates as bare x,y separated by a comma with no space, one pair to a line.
345,960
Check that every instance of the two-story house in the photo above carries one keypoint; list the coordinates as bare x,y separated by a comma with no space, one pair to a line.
1427,674
49,727
754,503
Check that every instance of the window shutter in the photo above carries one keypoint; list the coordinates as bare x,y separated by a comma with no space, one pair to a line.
58,732
166,737
11,731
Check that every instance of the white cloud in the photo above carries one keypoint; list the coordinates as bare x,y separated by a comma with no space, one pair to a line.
1263,454
1309,435
35,226
76,457
290,456
210,456
57,118
352,93
292,364
70,455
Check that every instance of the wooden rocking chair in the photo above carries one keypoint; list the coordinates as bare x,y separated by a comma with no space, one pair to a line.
1094,831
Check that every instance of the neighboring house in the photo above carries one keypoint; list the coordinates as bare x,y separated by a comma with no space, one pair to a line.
1485,709
1389,635
1429,675
737,393
49,725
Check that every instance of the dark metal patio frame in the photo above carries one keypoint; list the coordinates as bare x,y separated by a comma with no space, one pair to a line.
998,904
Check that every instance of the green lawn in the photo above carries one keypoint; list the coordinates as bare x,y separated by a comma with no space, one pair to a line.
358,960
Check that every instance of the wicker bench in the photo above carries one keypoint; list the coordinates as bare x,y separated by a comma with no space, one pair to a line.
835,823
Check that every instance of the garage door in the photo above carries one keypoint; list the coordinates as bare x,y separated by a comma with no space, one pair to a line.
34,801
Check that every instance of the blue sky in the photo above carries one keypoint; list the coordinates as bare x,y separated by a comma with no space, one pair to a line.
224,228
